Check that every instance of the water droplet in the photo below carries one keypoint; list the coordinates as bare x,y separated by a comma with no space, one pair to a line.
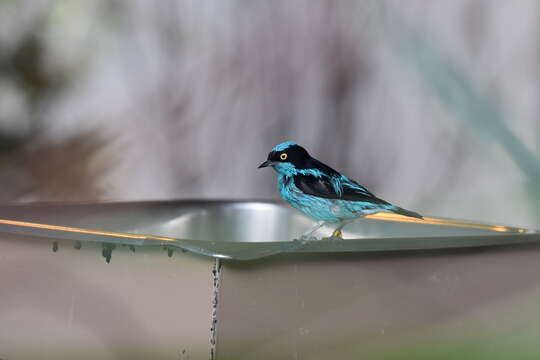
107,251
132,248
55,246
77,245
170,251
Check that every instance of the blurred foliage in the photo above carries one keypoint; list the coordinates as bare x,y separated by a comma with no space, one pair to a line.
165,88
454,87
25,67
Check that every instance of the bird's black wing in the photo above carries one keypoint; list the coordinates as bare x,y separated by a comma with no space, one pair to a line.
313,163
323,186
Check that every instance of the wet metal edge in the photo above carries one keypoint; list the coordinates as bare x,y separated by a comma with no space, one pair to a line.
256,250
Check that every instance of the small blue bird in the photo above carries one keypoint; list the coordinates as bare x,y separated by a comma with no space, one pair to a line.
321,192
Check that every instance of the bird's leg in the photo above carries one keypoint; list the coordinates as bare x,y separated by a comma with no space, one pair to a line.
337,234
308,234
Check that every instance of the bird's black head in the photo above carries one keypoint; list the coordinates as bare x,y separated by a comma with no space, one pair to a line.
287,153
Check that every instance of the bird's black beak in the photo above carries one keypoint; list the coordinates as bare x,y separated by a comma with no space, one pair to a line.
266,164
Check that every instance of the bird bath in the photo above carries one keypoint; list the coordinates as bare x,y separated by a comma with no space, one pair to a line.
149,279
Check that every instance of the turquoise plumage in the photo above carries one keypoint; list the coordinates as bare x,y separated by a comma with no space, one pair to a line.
321,192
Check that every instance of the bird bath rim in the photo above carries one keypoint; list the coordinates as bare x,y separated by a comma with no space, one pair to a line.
243,229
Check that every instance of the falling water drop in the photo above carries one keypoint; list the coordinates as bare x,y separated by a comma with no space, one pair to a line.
107,251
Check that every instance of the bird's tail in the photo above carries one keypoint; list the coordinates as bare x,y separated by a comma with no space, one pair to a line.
404,212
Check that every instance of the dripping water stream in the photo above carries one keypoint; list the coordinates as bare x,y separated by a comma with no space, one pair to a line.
216,275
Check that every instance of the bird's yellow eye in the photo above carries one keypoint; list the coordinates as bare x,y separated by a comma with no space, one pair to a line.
283,156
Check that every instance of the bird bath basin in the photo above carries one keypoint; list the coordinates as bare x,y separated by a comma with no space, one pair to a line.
169,284
243,230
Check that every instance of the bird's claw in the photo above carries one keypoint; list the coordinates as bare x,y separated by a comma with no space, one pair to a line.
337,234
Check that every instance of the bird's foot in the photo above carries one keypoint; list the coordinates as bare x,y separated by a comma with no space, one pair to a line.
336,235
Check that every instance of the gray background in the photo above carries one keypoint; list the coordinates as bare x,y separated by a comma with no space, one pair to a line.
432,105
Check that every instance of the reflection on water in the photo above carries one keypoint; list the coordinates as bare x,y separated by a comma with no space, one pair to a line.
444,222
245,222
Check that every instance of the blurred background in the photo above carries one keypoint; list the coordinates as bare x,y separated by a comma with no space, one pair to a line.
433,106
